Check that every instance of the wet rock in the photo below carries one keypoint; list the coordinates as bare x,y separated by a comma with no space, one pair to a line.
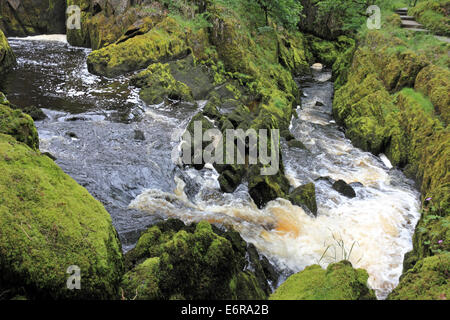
305,196
345,189
197,77
7,57
72,135
229,180
296,144
265,188
157,85
139,135
210,110
197,261
287,135
328,179
71,119
319,103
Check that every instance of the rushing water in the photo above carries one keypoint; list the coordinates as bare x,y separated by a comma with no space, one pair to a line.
91,130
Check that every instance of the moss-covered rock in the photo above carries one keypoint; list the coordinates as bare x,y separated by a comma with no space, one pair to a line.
196,76
29,17
164,42
427,280
157,84
338,282
305,196
7,57
106,22
18,125
344,188
49,223
172,260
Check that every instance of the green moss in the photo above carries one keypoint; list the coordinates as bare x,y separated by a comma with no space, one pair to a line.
188,262
324,51
305,196
434,82
48,223
415,97
158,84
165,41
18,125
141,283
338,282
428,280
7,57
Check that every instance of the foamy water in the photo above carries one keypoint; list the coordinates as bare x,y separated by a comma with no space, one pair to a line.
373,230
43,37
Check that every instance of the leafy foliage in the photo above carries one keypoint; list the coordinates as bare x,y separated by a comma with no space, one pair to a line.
285,12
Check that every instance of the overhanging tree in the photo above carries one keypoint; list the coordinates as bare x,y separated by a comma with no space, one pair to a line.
286,12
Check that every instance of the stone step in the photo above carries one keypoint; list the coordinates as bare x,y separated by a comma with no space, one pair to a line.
410,24
407,17
417,29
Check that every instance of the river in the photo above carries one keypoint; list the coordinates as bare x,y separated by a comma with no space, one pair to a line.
117,147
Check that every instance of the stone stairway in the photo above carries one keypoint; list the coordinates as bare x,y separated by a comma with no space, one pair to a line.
408,22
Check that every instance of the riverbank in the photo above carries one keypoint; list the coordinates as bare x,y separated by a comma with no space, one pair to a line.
396,102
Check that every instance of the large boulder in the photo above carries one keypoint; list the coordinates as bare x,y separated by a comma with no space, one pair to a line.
344,188
340,281
29,17
164,42
104,22
305,196
198,261
49,223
